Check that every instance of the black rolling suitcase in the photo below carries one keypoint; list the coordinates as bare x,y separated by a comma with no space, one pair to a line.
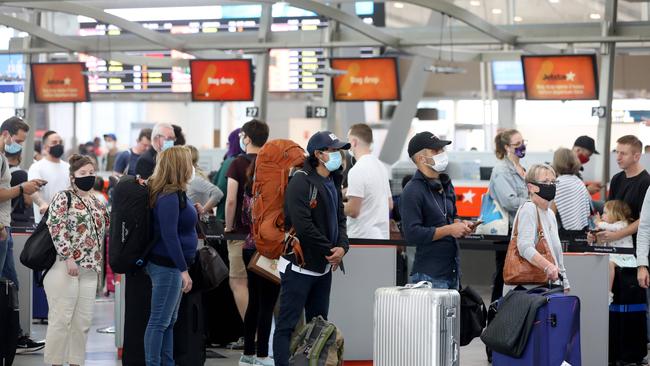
136,317
224,324
9,322
189,331
627,319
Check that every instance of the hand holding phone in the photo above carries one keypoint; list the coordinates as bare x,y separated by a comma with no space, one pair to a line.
475,224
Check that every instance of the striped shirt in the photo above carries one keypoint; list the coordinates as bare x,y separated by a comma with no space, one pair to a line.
573,202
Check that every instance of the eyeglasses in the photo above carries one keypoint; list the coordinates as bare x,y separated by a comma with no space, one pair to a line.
167,138
552,182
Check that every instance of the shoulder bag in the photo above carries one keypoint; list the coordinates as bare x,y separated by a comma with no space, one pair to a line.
519,271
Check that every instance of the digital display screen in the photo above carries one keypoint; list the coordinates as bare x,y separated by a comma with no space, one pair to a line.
59,82
12,74
365,79
507,76
560,77
222,80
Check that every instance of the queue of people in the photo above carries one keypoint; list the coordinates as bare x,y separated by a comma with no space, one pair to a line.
553,197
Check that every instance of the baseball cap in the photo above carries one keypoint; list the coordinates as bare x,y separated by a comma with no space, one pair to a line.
111,135
324,140
586,142
425,140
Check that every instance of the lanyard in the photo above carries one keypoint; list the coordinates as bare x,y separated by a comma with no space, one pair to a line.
444,202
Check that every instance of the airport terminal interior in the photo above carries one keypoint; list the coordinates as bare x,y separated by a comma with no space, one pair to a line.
477,91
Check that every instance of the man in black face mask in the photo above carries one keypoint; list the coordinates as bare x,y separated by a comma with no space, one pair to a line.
50,169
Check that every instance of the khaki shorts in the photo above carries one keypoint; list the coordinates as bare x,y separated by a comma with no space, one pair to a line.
237,267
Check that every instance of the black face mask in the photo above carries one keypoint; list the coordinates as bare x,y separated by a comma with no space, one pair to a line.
85,183
56,151
546,191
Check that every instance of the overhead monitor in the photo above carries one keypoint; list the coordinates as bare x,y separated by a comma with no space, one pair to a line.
59,82
222,80
365,79
12,74
507,76
560,77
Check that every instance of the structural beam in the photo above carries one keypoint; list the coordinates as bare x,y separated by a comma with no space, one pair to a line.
162,39
262,64
66,43
349,20
467,17
606,90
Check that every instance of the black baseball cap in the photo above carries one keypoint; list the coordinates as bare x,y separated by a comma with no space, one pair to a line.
586,142
324,140
425,140
111,135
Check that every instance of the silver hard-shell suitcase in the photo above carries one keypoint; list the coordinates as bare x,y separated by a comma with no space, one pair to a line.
416,325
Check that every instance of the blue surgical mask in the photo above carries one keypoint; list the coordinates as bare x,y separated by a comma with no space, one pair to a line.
242,145
335,161
167,144
13,148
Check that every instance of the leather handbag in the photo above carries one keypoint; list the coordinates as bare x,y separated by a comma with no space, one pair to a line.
517,270
213,269
265,267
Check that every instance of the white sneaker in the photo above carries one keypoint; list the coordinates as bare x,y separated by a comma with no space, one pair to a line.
247,360
266,361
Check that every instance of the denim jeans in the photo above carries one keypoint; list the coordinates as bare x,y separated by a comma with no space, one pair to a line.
450,282
166,290
298,291
7,263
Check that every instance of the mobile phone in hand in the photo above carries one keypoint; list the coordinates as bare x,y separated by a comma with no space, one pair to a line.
475,224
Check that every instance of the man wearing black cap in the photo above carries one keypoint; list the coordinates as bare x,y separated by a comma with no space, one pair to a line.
584,148
314,208
428,210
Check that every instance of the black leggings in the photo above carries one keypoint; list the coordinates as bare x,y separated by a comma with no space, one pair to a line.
262,296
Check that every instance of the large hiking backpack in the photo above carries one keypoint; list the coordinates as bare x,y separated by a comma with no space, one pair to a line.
131,234
319,343
272,168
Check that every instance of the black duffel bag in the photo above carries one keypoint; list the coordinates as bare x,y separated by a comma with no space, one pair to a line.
39,253
473,315
208,269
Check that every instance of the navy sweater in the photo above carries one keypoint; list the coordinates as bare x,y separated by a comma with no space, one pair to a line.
422,206
176,229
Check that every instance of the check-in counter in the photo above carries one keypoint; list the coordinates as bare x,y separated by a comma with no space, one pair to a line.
369,267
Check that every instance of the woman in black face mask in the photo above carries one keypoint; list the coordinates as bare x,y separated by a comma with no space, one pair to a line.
536,215
78,223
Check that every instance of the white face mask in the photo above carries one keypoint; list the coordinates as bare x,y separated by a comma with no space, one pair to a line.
440,162
110,145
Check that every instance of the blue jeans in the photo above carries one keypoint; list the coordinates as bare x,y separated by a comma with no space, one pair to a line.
450,282
298,291
166,290
7,263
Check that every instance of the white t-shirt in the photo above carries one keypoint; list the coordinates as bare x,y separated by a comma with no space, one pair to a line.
57,176
368,180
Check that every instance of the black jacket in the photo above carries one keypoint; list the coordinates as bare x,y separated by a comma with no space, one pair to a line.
146,163
311,224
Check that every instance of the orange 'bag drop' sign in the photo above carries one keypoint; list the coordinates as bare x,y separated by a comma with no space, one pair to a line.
222,80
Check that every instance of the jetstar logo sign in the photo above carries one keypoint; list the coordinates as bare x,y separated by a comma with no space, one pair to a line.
59,82
563,77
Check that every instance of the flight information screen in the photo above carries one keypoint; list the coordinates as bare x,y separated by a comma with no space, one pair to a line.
290,69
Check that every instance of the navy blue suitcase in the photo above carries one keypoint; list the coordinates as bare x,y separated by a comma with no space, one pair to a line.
555,336
40,307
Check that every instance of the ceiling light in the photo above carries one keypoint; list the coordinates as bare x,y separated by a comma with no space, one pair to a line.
475,3
496,11
594,16
398,5
553,1
518,19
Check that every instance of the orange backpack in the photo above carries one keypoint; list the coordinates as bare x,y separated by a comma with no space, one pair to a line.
272,168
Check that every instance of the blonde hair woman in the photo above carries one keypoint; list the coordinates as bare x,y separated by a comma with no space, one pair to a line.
77,222
540,181
174,224
205,194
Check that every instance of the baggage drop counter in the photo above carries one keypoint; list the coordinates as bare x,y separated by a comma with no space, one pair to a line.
371,264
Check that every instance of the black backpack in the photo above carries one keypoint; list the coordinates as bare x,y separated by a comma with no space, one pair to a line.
131,236
473,315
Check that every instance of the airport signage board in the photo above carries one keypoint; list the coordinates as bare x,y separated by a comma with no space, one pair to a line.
59,82
560,77
222,80
365,79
